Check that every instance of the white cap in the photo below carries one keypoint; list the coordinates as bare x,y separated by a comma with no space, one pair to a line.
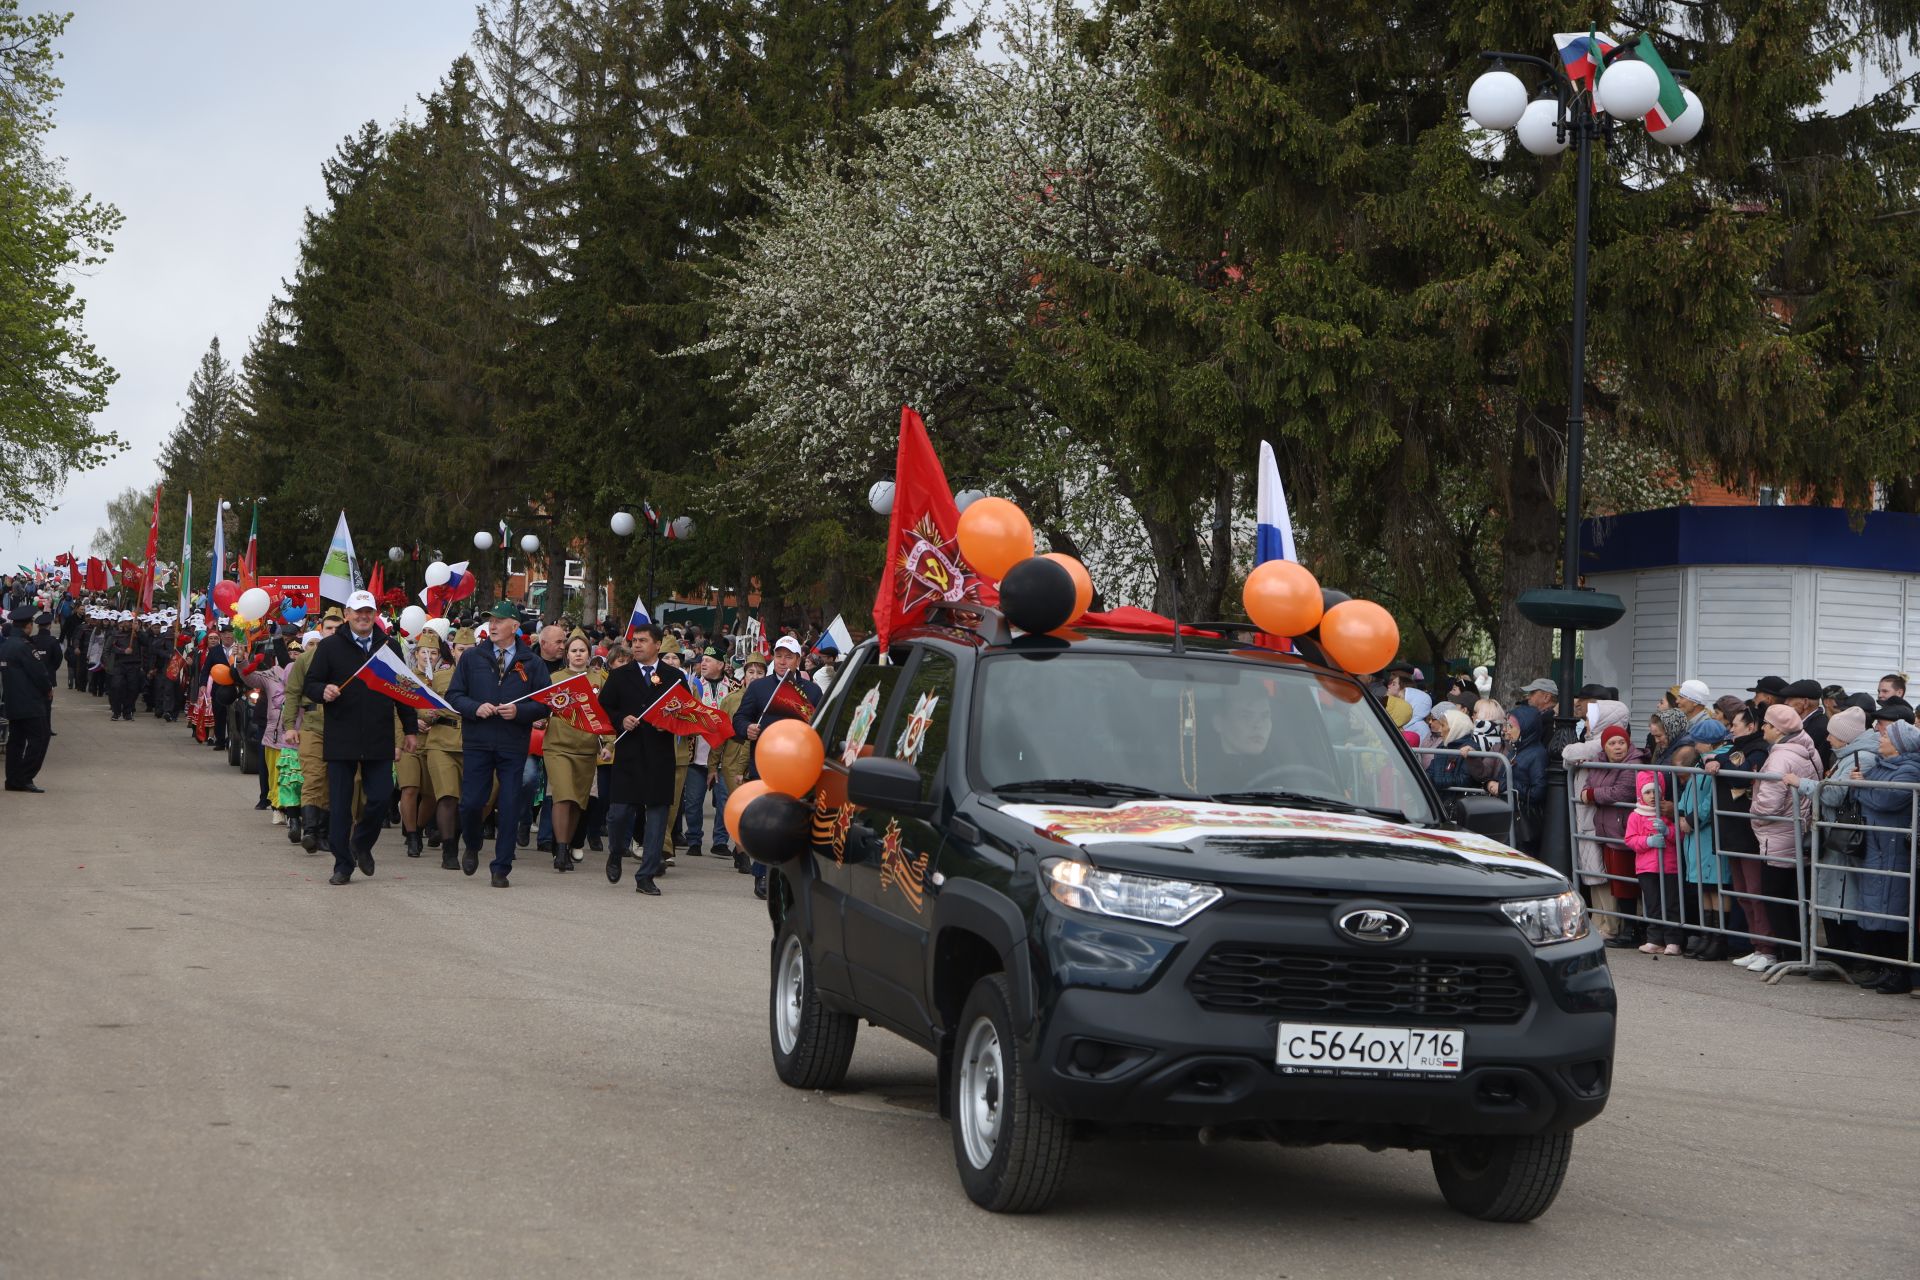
362,600
312,637
788,643
1696,691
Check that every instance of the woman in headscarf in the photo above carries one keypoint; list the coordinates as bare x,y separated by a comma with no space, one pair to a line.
572,756
1589,854
1701,868
1779,815
1453,733
1836,890
1889,810
1421,703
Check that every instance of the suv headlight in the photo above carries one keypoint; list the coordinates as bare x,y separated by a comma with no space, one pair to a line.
1125,895
1561,918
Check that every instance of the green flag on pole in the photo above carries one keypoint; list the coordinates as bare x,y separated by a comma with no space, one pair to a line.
1672,104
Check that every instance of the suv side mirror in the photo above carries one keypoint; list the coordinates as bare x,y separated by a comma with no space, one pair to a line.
1482,814
887,784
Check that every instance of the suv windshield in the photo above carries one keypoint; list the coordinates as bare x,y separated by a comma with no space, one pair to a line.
1247,731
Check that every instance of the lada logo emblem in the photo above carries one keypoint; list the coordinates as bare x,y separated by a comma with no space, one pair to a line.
1373,925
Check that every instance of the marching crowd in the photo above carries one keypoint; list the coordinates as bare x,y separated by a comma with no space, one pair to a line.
1695,836
338,762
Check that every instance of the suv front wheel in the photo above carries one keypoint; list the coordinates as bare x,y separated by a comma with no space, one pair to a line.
812,1044
1012,1152
1504,1179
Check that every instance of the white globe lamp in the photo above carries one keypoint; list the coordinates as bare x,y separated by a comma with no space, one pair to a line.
682,527
622,524
967,497
1496,100
396,554
880,497
1538,129
483,541
1628,90
529,543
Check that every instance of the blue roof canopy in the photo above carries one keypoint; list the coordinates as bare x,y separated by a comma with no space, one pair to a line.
1675,536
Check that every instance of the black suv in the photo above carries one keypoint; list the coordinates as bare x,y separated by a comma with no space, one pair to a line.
1129,884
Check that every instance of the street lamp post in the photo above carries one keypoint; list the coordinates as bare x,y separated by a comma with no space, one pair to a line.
1593,86
679,528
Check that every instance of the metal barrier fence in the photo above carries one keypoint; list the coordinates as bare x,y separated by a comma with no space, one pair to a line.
1781,906
1499,758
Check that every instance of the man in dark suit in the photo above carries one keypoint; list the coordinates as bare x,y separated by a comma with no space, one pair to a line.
359,736
26,691
757,710
642,774
496,729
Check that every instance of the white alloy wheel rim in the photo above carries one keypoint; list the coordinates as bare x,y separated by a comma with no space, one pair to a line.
982,1092
788,991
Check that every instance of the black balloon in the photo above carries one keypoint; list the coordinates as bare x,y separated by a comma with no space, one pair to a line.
1037,594
1330,597
776,828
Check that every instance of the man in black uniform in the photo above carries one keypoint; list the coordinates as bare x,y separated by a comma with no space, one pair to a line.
641,779
359,736
47,645
26,687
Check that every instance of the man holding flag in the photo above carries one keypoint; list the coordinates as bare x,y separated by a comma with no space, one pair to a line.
359,740
784,695
641,791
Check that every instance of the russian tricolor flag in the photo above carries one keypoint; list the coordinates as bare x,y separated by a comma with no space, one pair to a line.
639,618
1273,530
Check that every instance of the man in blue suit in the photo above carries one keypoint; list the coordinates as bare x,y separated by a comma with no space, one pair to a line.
495,732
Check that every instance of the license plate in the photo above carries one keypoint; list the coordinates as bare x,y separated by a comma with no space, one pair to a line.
1311,1049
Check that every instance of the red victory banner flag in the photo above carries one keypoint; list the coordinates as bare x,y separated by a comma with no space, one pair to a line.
153,551
923,564
97,574
575,701
788,701
679,712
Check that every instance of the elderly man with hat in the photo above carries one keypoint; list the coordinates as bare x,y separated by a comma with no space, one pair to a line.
359,746
754,707
1543,695
496,733
1767,690
1804,696
26,688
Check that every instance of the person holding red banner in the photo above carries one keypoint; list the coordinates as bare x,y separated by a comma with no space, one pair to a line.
642,774
784,695
573,744
359,738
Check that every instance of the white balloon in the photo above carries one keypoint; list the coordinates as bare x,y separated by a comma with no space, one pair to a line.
529,543
1496,100
396,554
483,540
253,603
1538,130
438,574
1628,90
880,497
622,523
413,619
967,497
440,625
1686,127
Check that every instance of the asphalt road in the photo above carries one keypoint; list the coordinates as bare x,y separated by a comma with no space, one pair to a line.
213,1064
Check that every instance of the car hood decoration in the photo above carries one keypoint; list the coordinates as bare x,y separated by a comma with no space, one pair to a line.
1260,843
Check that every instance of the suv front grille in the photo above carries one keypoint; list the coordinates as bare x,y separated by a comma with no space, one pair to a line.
1241,978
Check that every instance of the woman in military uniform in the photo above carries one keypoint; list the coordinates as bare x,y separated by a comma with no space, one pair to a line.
572,756
410,771
444,758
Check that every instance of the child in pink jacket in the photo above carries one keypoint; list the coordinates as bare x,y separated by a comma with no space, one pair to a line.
1656,861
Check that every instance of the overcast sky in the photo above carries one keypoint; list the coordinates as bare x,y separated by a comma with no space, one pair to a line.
205,122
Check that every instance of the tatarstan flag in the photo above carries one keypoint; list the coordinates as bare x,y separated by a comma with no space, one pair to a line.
1672,103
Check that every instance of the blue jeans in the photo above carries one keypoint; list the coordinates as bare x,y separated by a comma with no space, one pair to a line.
343,833
479,767
702,780
621,819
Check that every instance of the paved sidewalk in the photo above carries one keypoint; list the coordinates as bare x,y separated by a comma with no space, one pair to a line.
213,1064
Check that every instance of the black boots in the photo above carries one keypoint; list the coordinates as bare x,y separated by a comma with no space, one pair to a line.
415,843
1713,946
293,825
310,825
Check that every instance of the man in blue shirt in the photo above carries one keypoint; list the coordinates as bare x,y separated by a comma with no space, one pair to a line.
495,731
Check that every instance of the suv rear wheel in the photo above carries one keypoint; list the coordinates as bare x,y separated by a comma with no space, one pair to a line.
1504,1179
812,1044
1011,1151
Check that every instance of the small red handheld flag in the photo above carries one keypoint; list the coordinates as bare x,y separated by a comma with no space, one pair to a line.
575,701
679,712
788,701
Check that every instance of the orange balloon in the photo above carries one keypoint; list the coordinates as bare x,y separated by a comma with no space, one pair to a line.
1082,583
788,756
743,795
1359,636
221,673
994,536
1282,598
